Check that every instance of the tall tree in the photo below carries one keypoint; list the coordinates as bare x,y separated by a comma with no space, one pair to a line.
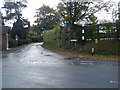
14,9
73,11
118,22
14,12
46,17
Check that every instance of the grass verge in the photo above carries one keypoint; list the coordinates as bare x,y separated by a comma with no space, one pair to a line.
105,50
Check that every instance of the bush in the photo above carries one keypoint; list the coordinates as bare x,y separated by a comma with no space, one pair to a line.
57,38
103,47
36,39
23,41
14,43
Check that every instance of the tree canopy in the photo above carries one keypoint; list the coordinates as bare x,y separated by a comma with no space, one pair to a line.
14,12
46,17
72,11
13,9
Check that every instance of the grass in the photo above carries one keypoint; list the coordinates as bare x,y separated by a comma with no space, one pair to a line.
105,49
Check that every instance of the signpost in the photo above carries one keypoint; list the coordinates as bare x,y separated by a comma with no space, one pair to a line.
74,40
68,25
83,24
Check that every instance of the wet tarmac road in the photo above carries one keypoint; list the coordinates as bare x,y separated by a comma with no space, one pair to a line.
35,67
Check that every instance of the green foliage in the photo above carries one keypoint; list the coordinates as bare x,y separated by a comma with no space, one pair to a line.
59,37
23,41
37,29
36,39
74,11
52,38
13,9
19,30
14,43
118,28
92,31
47,17
103,47
13,12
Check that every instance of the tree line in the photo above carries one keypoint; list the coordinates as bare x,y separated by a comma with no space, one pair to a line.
48,19
13,12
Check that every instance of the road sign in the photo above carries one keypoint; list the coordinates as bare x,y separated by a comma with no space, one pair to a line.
68,29
96,41
69,25
83,22
73,40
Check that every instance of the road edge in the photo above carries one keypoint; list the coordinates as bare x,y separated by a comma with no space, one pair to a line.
81,55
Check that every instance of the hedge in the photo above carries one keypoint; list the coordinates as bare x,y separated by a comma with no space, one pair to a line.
36,39
14,43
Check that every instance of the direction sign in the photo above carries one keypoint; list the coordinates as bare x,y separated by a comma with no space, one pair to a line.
83,22
68,24
73,40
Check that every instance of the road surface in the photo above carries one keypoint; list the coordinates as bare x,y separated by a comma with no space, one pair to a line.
35,67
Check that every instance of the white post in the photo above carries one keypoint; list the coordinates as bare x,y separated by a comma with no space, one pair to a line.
83,31
83,24
16,38
7,42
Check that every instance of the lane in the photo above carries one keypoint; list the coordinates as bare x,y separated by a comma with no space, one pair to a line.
35,67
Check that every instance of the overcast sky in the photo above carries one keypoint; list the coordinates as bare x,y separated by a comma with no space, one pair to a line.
32,5
29,12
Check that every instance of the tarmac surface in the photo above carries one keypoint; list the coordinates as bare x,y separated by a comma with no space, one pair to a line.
32,66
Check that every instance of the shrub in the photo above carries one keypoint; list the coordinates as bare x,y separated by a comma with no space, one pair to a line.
13,42
103,47
23,41
57,38
36,39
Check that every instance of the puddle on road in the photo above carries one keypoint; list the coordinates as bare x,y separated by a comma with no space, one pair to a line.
78,61
85,61
67,61
72,61
47,54
114,82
